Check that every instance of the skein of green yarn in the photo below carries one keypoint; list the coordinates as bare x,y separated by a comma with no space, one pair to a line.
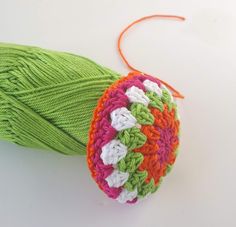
47,98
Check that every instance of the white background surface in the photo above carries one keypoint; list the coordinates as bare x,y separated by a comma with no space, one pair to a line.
40,189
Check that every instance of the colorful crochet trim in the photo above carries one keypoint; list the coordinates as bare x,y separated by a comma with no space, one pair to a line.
133,138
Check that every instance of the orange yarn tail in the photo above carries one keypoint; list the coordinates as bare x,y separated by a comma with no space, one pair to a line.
175,92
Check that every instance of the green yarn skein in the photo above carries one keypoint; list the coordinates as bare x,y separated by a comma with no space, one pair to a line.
47,98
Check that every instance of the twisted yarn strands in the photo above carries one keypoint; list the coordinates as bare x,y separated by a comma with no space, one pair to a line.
47,98
129,125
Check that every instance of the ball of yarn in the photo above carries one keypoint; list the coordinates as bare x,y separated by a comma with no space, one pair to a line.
134,136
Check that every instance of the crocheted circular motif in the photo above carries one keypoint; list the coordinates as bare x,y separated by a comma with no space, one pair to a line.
133,137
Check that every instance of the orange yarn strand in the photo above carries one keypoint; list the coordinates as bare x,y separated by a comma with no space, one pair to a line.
175,92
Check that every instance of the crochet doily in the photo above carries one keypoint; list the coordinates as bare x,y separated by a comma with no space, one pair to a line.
133,138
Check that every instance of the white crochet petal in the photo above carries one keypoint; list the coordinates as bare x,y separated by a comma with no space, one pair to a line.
117,178
171,96
151,86
121,118
126,195
113,152
135,94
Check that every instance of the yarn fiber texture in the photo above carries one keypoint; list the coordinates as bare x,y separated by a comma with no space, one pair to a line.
127,126
47,98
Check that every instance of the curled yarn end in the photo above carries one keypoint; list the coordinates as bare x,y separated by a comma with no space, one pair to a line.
175,93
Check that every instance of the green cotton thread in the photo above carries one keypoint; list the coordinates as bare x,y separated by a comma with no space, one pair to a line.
146,188
169,168
158,185
176,152
132,138
155,100
166,98
174,106
47,98
135,180
130,163
142,114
